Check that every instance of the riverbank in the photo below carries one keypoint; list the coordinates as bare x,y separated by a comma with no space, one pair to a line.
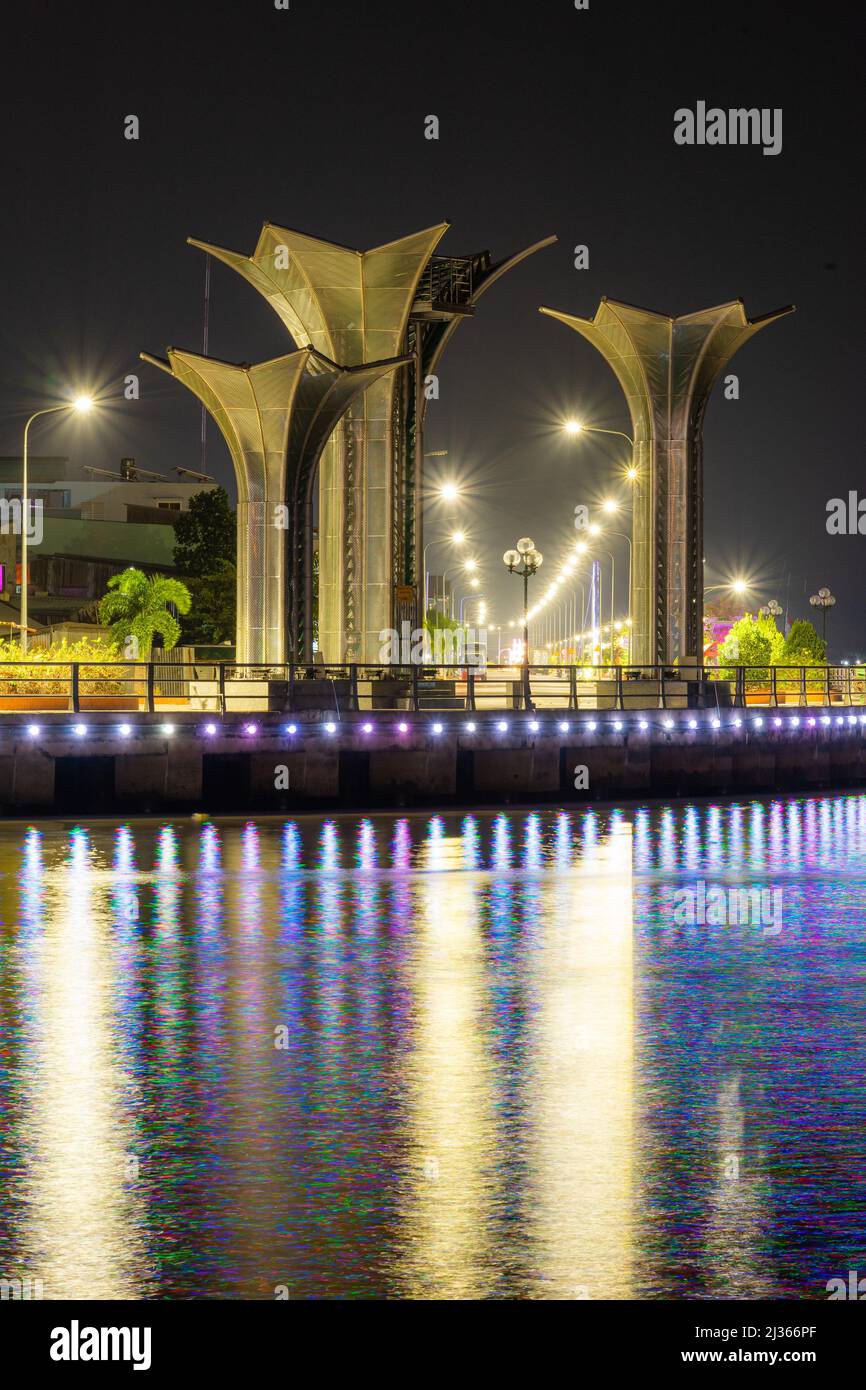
94,764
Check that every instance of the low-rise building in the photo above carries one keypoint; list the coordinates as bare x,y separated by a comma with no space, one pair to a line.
91,524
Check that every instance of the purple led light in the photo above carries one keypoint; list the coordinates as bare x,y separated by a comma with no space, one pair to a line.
403,728
291,728
210,730
367,728
251,729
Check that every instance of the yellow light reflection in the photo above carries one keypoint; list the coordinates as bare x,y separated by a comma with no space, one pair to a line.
579,1201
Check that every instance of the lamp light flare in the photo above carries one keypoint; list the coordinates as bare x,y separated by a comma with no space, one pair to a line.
82,404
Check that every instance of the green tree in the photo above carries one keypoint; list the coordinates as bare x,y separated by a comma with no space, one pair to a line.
803,646
754,641
137,607
214,606
205,536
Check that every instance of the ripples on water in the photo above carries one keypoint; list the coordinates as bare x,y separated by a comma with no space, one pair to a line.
450,1056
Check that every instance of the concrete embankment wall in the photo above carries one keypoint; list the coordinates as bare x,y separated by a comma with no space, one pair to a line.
403,760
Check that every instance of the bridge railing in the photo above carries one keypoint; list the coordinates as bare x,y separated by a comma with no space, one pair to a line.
229,687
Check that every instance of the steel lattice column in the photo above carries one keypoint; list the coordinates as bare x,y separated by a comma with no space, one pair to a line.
667,368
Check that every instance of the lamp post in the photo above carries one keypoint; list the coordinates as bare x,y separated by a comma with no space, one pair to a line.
577,427
467,567
771,609
456,538
82,404
529,561
823,600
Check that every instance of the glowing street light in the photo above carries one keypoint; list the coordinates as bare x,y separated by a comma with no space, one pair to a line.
449,492
456,538
82,405
529,561
578,427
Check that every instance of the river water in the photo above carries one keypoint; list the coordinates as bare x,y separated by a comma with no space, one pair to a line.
530,1054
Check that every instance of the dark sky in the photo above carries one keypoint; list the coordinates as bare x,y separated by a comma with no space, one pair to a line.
552,121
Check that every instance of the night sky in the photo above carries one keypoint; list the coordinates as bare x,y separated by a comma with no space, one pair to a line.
552,121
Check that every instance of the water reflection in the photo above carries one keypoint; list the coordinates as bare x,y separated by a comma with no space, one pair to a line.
455,1056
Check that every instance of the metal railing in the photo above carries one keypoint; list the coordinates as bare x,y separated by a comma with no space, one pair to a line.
226,687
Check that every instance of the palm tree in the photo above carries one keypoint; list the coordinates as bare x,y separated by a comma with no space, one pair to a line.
137,608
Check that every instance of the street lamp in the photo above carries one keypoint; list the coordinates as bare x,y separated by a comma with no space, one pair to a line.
823,600
81,404
456,538
529,561
577,427
771,609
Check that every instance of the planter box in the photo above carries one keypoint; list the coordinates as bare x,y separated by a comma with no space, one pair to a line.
109,702
34,702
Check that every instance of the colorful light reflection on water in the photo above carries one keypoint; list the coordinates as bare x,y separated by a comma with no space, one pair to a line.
445,1056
